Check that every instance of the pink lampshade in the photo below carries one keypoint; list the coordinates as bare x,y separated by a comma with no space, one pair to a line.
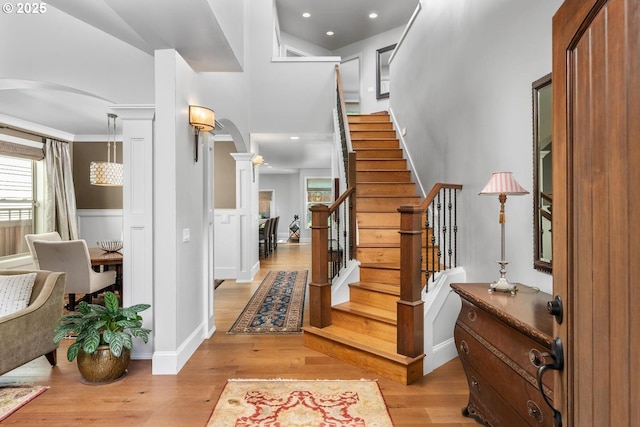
503,183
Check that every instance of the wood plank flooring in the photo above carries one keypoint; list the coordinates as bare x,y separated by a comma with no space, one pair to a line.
187,399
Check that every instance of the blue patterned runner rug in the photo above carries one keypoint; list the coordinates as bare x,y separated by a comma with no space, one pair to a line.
276,307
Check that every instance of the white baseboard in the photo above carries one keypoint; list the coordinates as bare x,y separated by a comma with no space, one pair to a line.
440,354
211,332
171,362
440,313
225,273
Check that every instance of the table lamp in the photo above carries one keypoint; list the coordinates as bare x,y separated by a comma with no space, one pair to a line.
503,183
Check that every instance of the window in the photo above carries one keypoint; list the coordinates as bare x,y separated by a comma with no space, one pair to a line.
318,191
17,203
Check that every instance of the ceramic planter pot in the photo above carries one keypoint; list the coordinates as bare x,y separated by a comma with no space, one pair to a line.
102,366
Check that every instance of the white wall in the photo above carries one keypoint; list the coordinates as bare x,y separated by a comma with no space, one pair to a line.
367,51
285,97
290,41
254,99
461,85
230,15
178,207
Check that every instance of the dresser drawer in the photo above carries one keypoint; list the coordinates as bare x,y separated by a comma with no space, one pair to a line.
522,350
506,380
486,404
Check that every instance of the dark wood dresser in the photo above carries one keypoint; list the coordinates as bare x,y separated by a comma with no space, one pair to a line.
501,339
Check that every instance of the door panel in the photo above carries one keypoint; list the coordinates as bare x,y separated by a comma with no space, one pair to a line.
596,135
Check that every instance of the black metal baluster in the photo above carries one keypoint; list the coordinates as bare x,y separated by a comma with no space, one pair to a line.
455,228
449,207
439,205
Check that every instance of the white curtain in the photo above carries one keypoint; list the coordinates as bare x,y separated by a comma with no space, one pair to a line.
60,197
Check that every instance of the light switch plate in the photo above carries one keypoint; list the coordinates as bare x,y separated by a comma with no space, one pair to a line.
186,235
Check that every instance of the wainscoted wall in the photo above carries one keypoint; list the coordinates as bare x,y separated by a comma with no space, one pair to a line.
226,246
99,224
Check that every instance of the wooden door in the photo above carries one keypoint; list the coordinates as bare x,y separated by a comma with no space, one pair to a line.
596,212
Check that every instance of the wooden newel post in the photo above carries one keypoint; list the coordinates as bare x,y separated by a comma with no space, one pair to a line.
319,287
410,305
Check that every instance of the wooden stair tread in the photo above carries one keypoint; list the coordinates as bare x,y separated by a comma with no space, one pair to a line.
384,184
378,287
378,159
379,245
378,347
373,138
367,311
383,266
383,170
387,196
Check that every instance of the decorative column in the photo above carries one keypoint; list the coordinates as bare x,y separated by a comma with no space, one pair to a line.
137,213
247,210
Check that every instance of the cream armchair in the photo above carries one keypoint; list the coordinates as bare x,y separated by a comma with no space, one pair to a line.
27,334
30,238
72,257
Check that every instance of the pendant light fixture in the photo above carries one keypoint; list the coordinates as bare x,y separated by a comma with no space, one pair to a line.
108,174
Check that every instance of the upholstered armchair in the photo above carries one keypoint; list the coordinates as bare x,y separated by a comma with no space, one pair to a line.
28,333
73,258
49,237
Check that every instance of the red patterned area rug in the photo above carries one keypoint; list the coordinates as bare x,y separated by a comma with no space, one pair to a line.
293,403
276,307
13,398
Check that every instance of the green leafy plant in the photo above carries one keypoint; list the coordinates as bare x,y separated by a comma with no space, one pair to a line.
95,325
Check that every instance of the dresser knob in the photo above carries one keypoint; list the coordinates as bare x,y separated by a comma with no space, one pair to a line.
475,384
534,411
464,347
471,314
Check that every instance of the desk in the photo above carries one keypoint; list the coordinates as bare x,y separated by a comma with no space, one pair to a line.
100,257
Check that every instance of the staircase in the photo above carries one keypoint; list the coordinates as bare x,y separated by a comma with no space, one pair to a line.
363,330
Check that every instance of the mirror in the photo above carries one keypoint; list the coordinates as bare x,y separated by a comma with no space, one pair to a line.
542,190
382,71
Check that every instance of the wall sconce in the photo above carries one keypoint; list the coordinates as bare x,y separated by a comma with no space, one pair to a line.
256,160
108,174
202,119
503,183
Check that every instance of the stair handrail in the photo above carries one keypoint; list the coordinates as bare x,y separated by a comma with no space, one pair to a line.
328,250
410,308
343,124
332,243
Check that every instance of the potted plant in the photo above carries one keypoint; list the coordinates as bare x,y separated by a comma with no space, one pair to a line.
104,337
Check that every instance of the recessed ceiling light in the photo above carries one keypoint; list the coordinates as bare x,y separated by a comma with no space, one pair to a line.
306,15
329,33
294,138
373,15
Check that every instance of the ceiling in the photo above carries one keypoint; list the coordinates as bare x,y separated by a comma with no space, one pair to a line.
203,45
348,19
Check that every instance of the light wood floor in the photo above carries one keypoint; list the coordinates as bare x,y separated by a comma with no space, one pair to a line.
187,399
